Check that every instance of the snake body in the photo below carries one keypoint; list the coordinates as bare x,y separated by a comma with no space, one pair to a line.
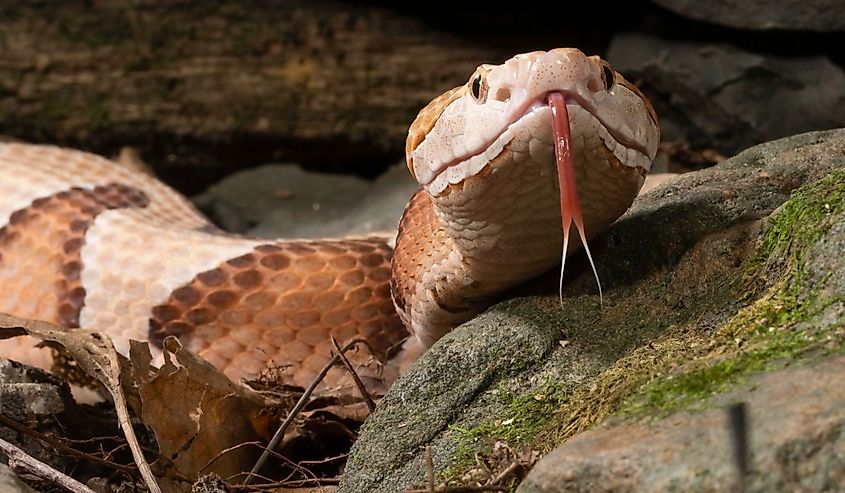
88,243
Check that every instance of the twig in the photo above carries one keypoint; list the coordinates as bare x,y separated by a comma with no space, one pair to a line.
226,451
61,447
125,423
280,433
481,465
462,489
371,405
296,468
504,474
429,465
293,483
491,485
18,459
99,360
323,461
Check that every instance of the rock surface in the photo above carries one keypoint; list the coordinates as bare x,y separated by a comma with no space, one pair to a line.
796,418
28,394
680,277
798,15
719,96
10,483
284,201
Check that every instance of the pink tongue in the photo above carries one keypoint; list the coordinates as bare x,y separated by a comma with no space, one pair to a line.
570,207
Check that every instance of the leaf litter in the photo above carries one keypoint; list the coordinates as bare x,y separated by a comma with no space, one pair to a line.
186,421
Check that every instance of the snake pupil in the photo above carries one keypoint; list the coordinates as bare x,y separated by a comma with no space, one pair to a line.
609,77
476,87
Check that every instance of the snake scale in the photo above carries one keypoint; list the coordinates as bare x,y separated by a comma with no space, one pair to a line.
86,242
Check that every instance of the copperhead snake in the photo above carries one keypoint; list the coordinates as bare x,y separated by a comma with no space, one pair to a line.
89,243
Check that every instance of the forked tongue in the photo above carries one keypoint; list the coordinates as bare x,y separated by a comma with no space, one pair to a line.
570,208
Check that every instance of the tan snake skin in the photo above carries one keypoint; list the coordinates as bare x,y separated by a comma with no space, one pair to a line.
87,242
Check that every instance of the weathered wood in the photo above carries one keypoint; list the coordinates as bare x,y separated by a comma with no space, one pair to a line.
281,78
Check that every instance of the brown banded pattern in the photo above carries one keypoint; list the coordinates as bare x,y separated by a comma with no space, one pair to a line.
40,251
280,303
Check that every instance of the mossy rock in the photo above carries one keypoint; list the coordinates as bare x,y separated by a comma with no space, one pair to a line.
708,279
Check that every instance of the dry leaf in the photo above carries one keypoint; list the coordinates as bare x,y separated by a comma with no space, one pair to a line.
196,412
96,356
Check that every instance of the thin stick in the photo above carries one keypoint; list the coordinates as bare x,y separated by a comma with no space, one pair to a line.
280,433
295,468
101,362
480,464
18,459
429,465
269,485
226,451
371,405
61,447
323,461
502,475
125,423
462,489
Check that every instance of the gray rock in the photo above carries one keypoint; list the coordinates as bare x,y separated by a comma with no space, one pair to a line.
796,418
538,371
722,97
28,394
284,201
798,15
28,391
11,483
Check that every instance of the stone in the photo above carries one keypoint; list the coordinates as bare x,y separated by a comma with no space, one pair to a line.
11,483
28,391
654,180
694,283
27,394
285,201
720,96
795,416
793,15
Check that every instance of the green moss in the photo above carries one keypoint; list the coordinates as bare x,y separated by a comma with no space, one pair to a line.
522,419
775,329
660,360
728,361
802,218
683,367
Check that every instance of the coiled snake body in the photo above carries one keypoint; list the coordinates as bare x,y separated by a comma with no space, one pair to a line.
88,243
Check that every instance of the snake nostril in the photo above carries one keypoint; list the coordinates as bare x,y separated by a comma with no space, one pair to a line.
503,94
595,84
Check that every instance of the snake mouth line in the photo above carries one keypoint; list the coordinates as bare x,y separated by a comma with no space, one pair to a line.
522,112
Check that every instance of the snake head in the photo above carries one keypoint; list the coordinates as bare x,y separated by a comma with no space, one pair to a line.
463,132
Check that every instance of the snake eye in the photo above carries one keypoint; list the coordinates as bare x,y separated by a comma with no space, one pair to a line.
478,88
608,75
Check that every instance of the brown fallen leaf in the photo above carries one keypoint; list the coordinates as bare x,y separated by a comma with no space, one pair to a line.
196,412
96,356
193,409
203,422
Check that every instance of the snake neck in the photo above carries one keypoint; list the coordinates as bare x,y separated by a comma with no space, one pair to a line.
456,253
